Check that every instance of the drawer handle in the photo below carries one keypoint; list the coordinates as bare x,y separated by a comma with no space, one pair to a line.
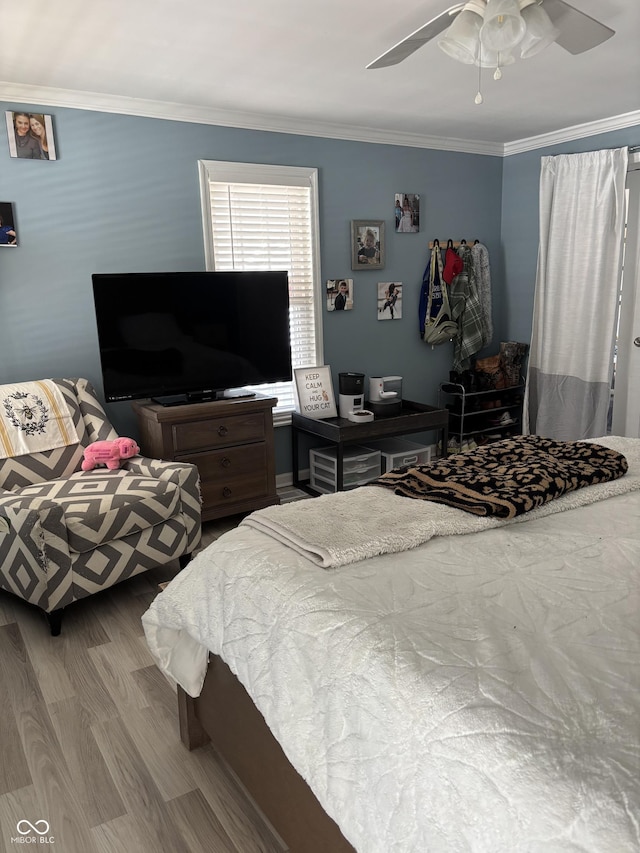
225,462
226,492
222,430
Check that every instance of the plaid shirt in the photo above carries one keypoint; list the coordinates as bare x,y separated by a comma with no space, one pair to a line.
467,311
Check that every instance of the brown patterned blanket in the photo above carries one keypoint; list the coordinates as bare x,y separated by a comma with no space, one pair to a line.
508,477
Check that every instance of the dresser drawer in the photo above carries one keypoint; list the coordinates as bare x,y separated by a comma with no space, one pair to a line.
218,432
232,475
231,442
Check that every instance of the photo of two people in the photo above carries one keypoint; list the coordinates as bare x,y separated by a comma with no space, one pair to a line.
30,136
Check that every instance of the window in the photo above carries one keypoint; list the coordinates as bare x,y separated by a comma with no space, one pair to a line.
266,218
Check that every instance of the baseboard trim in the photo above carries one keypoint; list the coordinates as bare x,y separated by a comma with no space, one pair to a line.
284,481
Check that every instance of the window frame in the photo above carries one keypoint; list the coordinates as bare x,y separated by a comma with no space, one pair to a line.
222,171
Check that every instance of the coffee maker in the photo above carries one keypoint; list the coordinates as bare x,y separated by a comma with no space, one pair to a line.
385,395
351,396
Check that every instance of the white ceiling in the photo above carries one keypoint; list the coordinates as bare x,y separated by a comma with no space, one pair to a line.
300,66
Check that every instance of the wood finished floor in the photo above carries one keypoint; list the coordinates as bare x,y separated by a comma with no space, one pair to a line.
89,737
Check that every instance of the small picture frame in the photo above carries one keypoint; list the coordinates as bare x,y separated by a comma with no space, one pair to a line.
8,230
339,294
389,300
30,135
407,213
367,244
315,392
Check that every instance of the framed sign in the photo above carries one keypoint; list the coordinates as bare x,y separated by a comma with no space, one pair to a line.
315,392
367,244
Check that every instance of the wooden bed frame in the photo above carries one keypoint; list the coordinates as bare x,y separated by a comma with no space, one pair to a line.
225,715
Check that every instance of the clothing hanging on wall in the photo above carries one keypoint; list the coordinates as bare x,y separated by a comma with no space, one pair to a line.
434,310
466,311
452,264
480,255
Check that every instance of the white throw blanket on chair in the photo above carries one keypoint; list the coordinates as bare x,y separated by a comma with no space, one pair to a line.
33,418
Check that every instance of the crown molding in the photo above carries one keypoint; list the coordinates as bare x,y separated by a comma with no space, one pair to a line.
100,102
577,131
119,104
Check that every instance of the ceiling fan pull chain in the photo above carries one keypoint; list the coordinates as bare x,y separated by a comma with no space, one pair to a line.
497,74
479,99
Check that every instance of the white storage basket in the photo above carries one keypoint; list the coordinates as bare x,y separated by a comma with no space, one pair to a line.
360,465
397,452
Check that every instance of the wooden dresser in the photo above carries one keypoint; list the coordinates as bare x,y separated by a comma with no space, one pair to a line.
231,442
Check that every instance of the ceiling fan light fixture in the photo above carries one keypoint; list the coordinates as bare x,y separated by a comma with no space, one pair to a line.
503,27
494,59
541,31
461,39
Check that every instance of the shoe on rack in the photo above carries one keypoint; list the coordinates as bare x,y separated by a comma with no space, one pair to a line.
505,420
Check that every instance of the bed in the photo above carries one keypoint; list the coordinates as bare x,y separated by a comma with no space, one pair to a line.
475,691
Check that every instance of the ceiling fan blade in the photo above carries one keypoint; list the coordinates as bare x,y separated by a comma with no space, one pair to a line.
578,31
421,36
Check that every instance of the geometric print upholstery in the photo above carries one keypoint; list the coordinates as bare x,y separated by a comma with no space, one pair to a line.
19,471
94,416
124,558
187,478
100,505
72,533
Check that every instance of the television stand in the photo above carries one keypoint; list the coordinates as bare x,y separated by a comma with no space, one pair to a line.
230,441
203,397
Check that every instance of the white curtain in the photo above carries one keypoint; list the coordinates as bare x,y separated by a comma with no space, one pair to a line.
582,211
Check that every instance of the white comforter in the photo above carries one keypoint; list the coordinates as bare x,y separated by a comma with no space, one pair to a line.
480,692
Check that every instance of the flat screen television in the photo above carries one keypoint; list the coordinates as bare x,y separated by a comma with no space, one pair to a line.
182,337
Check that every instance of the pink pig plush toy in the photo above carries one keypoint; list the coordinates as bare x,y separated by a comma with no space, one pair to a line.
109,453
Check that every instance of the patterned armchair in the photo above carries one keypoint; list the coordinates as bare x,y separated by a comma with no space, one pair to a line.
67,533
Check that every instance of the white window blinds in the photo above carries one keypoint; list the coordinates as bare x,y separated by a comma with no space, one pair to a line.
265,218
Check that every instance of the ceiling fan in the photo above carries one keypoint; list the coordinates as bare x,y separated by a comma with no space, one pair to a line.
484,32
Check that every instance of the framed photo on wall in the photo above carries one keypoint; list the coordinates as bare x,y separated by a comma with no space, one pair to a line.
339,294
389,300
407,213
8,231
367,244
315,392
30,136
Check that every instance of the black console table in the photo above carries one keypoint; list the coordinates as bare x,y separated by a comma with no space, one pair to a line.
414,417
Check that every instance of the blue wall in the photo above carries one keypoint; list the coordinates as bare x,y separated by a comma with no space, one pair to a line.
124,196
